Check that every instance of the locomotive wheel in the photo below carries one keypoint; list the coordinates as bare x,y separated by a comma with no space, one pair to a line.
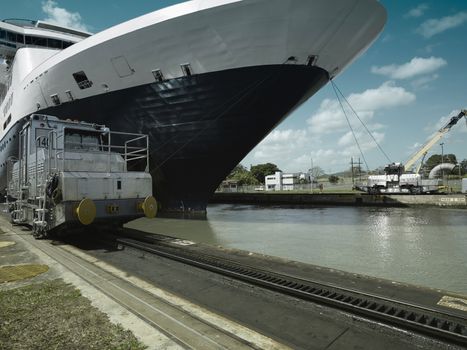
39,232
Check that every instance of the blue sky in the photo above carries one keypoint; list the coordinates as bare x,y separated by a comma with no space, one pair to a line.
404,87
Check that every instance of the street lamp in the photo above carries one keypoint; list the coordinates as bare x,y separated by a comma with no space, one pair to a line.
311,175
442,160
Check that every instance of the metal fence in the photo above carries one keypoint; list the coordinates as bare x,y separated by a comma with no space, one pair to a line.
343,185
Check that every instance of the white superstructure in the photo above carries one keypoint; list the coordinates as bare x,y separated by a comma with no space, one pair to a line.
208,35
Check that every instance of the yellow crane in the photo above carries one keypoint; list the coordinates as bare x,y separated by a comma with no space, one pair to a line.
398,179
438,136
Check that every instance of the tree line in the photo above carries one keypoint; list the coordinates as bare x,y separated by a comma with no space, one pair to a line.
256,174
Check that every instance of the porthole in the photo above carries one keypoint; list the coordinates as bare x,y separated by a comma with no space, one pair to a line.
55,99
69,95
186,69
158,76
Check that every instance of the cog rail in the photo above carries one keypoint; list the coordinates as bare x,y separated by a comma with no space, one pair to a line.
440,325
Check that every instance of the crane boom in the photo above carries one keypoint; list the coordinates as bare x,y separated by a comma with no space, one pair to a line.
438,136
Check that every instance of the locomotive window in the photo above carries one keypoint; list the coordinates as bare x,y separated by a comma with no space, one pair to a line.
81,140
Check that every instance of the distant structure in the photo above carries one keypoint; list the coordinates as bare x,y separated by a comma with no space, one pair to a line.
228,186
283,182
464,185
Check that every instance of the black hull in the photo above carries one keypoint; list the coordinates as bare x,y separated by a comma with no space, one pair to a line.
200,126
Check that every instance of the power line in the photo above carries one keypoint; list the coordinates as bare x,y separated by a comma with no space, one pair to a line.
350,125
361,121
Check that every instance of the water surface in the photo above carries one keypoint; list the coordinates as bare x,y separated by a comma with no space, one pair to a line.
415,245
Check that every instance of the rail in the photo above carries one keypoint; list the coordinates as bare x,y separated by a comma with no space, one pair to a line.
129,150
441,325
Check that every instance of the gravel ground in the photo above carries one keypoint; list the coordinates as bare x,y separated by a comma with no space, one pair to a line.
54,315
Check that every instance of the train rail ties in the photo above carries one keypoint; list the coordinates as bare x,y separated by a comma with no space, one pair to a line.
420,319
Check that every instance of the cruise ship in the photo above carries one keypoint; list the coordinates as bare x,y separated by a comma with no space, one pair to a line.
206,79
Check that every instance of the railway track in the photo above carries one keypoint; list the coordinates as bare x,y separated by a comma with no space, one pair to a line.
178,323
439,325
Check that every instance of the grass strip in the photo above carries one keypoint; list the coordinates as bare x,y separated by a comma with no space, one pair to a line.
54,315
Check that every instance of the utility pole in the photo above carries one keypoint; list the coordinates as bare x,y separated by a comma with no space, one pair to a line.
312,178
359,170
442,160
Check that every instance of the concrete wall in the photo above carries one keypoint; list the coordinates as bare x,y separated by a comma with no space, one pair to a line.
453,201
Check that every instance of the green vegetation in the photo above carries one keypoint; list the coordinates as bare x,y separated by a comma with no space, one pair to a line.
242,176
260,171
334,179
437,159
255,176
463,165
54,315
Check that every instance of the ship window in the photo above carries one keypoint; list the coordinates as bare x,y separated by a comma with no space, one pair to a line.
7,122
158,75
67,44
55,99
20,38
69,95
82,80
11,36
186,69
2,34
54,43
38,41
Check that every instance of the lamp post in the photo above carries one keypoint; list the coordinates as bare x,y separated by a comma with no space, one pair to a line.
442,160
460,178
311,175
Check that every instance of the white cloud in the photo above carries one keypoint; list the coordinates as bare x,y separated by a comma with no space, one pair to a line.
435,26
60,16
417,11
286,148
281,143
348,146
327,140
329,118
417,66
423,82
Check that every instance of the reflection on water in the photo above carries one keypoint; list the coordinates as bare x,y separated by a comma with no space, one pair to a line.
417,245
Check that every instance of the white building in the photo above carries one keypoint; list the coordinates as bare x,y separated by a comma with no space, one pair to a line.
282,182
